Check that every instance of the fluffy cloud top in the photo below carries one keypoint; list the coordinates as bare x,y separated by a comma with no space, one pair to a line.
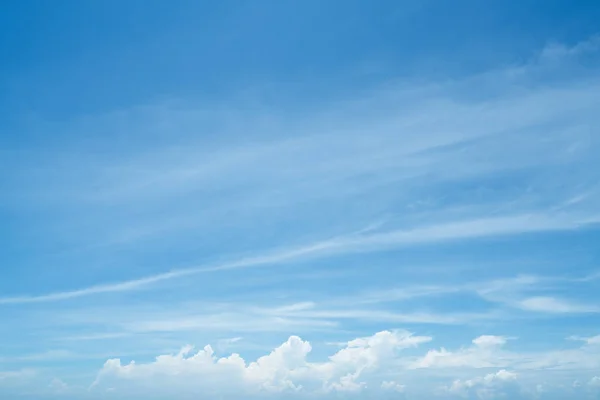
286,368
480,355
491,386
373,365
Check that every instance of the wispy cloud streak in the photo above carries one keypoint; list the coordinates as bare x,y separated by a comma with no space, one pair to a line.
461,230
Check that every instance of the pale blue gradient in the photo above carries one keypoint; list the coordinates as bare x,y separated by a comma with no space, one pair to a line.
424,174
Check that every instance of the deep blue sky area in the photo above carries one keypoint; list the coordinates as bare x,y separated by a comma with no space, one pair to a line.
72,56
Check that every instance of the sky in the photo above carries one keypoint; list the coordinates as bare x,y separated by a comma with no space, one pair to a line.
300,199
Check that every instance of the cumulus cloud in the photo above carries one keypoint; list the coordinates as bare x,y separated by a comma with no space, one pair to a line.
491,352
491,386
482,354
387,365
353,368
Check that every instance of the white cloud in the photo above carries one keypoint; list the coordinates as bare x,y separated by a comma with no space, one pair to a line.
6,375
555,305
491,386
286,368
482,354
450,231
490,352
592,341
379,365
16,376
489,341
393,386
517,293
58,386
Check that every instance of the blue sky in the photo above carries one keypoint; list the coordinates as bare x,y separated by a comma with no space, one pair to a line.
329,200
